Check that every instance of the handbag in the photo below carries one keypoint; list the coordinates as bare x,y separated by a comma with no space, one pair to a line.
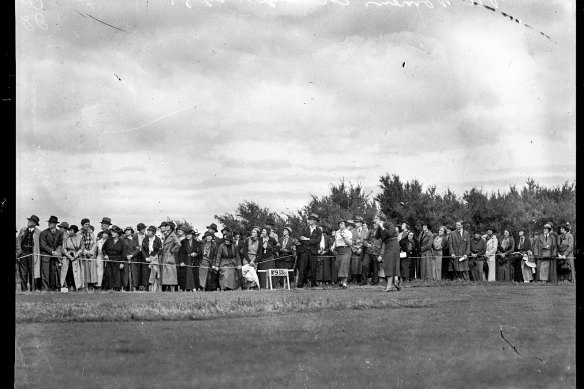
564,266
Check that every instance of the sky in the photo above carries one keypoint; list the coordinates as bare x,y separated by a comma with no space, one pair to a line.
185,108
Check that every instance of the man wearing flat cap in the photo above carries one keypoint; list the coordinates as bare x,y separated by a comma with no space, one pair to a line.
28,257
314,235
51,242
140,272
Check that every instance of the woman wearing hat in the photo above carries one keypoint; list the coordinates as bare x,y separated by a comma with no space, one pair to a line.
506,247
323,261
267,249
566,254
189,250
208,254
115,254
491,246
342,248
390,256
98,263
439,243
287,253
545,251
87,262
170,248
227,263
151,248
251,245
71,270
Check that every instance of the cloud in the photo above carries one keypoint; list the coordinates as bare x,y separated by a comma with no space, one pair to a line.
196,109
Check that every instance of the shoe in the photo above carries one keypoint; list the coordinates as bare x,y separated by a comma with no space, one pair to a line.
65,290
343,286
389,289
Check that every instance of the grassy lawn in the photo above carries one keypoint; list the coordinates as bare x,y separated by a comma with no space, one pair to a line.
433,337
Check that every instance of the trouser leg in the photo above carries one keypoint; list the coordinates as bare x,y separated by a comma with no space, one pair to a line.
365,265
25,268
313,269
45,272
54,279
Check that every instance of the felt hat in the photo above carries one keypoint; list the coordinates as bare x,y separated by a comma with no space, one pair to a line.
548,226
350,223
84,221
225,229
152,228
129,228
73,227
208,233
35,219
492,229
213,226
64,225
172,226
191,232
140,226
183,228
313,216
106,220
342,221
566,227
289,229
163,224
228,237
358,219
117,230
53,219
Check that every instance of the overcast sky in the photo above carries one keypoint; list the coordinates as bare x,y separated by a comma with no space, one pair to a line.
195,108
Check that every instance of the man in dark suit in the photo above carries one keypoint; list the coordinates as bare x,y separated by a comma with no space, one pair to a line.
140,271
51,242
314,235
459,248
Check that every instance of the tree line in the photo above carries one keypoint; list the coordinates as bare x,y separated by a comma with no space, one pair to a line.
529,207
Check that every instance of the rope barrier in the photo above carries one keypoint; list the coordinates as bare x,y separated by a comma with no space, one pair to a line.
148,263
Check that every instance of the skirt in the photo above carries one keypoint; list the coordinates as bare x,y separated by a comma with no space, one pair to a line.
355,264
323,269
391,260
426,268
343,261
228,277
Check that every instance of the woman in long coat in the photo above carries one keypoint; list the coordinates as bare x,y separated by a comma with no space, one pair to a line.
267,249
187,254
97,265
566,253
72,249
439,243
545,250
250,251
390,257
342,248
228,263
426,257
409,245
208,254
170,247
114,250
506,247
323,261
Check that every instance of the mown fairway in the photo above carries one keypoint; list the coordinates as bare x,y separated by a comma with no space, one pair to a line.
433,337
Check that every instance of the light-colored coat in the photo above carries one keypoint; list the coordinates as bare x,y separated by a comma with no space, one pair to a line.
72,247
170,248
36,250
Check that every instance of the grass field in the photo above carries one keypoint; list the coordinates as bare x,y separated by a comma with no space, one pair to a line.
421,337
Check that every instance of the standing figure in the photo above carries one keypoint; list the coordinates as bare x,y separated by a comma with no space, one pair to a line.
506,247
342,248
459,247
103,236
51,244
410,247
491,252
527,263
71,270
139,270
189,249
151,249
439,245
567,272
425,244
478,248
314,235
170,247
545,250
227,263
323,261
28,258
359,234
373,246
208,254
250,254
114,250
267,249
390,253
287,253
89,245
